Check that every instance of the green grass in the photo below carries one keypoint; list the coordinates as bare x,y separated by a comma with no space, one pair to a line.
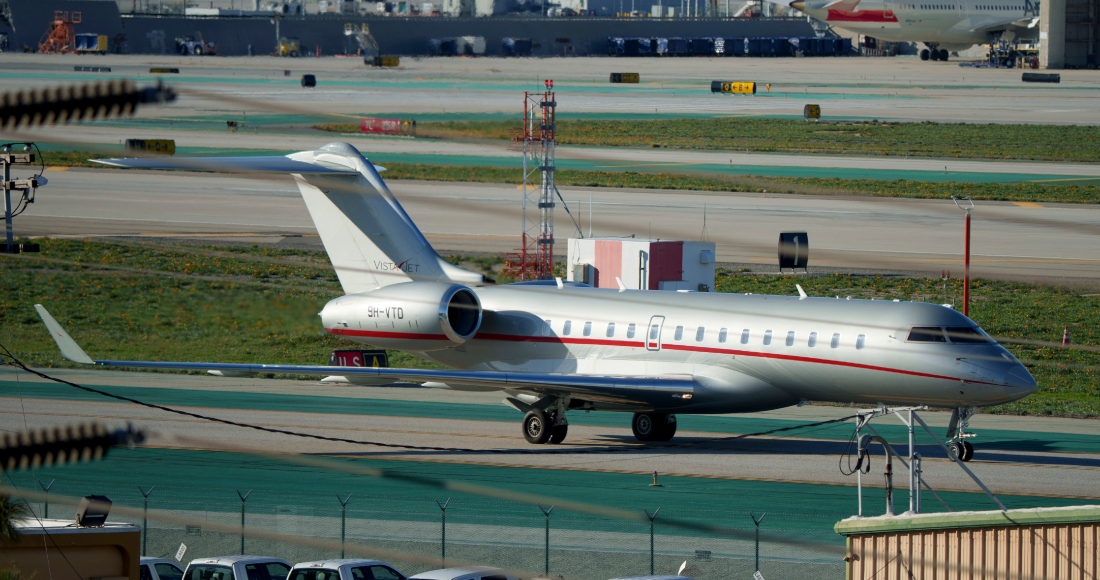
927,139
248,304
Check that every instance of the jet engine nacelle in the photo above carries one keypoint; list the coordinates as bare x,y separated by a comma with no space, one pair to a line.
420,316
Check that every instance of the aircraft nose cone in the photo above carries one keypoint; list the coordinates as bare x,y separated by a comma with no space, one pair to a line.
799,5
1019,381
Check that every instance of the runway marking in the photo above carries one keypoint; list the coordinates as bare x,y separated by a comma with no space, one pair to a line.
1026,204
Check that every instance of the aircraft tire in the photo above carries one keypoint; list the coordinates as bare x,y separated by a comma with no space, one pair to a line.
925,54
968,452
944,55
934,54
558,434
646,425
667,430
957,449
536,427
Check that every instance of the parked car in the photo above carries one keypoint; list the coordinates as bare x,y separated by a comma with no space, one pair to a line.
237,568
653,578
345,569
159,569
468,573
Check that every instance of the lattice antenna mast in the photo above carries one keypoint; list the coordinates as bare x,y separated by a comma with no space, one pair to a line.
538,156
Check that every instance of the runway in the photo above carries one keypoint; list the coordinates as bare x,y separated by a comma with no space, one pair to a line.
1017,456
1048,242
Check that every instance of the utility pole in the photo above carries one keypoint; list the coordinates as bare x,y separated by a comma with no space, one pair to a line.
651,518
546,512
145,518
26,186
756,522
243,499
443,530
343,519
966,250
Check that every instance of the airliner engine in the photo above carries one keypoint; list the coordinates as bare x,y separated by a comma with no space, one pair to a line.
420,316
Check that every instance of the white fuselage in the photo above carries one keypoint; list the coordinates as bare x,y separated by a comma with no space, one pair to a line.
745,352
956,23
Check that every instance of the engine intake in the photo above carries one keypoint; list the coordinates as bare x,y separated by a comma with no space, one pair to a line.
420,316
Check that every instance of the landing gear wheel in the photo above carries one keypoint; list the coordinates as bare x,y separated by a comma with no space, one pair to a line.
198,50
557,435
666,431
646,426
924,54
968,452
537,428
957,449
944,55
934,55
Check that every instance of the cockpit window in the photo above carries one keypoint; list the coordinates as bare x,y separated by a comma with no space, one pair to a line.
926,334
966,335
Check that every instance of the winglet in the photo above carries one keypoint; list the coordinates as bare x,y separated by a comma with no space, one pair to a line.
801,293
619,281
69,349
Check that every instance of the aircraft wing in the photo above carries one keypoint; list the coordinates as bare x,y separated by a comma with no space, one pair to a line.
629,390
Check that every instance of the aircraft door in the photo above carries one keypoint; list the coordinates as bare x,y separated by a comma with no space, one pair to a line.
653,333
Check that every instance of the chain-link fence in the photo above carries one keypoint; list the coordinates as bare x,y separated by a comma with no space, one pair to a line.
484,531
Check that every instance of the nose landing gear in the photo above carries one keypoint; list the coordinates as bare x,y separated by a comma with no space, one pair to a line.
957,435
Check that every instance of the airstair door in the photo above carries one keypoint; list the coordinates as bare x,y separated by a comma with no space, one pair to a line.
653,334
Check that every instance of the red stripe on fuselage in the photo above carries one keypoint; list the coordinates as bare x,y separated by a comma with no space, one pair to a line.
665,346
861,16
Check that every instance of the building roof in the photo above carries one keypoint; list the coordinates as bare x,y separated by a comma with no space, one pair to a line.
38,526
940,521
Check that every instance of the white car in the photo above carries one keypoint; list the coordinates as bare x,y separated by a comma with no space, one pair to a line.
159,569
653,578
237,568
468,573
346,569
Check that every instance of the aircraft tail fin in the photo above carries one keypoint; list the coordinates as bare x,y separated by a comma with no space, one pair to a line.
369,238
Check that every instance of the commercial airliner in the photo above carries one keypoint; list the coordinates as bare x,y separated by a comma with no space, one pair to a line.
553,347
941,25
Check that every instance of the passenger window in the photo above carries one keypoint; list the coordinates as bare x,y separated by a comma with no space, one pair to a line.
812,342
790,338
630,330
568,327
587,329
767,337
745,336
384,573
722,335
654,330
610,329
926,334
546,328
859,341
700,333
835,343
679,333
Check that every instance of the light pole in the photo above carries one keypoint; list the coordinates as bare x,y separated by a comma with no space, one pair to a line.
966,250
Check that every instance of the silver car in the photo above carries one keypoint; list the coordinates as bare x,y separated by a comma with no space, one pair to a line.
237,568
467,573
345,569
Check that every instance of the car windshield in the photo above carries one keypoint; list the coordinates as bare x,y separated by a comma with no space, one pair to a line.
267,571
209,572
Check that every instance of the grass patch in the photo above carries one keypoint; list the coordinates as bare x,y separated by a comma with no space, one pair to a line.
253,304
1021,191
925,139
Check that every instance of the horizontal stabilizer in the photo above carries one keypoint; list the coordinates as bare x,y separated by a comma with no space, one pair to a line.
264,164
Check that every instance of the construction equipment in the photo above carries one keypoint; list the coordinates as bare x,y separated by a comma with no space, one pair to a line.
288,47
368,47
60,38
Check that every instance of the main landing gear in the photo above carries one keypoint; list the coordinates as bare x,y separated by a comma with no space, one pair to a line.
957,436
653,426
540,427
932,53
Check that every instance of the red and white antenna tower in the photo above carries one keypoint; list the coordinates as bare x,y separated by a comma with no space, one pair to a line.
537,251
